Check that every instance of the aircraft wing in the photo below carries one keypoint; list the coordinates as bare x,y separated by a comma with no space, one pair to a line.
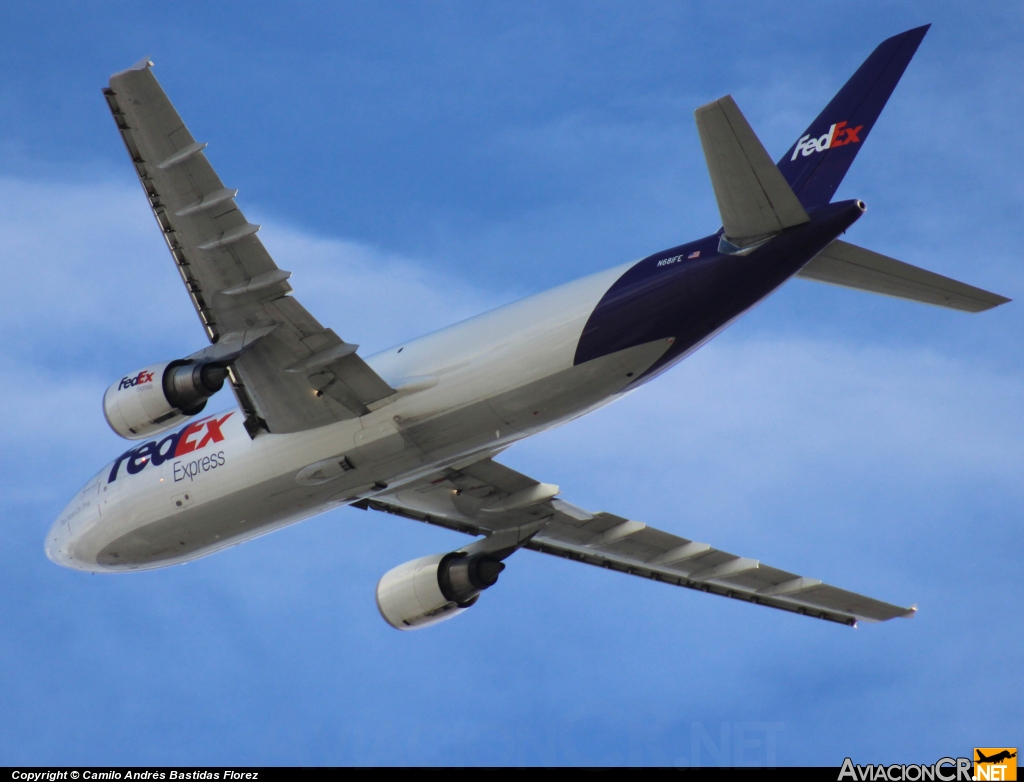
487,498
298,375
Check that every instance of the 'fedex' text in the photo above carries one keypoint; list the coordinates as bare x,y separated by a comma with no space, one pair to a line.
190,470
193,437
837,136
138,380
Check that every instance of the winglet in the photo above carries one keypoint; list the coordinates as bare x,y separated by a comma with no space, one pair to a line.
754,199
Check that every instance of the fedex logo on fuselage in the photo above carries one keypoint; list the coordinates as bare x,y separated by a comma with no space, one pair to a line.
138,380
838,135
193,437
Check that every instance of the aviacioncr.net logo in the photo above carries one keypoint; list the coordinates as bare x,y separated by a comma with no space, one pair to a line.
995,764
942,770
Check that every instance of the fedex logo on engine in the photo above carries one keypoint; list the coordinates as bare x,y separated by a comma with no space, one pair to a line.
193,437
838,135
138,380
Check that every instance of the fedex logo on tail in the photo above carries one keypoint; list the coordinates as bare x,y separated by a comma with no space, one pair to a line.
193,437
838,135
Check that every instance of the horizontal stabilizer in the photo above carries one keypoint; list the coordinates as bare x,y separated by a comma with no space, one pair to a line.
754,199
851,266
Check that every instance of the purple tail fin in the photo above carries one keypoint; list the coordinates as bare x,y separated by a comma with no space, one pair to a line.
816,164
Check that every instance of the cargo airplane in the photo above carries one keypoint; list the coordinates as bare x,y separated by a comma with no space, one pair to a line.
416,430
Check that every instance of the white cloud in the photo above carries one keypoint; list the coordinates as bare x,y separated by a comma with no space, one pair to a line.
844,461
368,296
91,293
865,465
821,397
87,260
86,266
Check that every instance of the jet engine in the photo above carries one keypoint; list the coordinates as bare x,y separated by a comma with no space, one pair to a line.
160,396
431,589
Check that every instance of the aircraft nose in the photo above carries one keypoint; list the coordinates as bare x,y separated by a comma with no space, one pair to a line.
57,540
64,535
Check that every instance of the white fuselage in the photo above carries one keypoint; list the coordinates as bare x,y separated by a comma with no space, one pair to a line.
464,392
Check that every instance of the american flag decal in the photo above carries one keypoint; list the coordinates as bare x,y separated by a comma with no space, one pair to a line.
693,255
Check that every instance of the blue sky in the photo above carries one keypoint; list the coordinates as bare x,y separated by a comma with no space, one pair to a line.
415,163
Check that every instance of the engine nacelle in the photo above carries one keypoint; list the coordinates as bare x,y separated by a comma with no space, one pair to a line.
431,589
160,396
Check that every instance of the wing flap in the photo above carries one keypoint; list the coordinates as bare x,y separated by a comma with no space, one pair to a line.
850,266
454,498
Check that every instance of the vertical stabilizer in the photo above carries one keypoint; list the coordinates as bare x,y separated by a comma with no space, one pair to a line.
816,164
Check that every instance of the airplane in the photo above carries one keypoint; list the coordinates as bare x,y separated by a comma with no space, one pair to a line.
996,758
415,430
